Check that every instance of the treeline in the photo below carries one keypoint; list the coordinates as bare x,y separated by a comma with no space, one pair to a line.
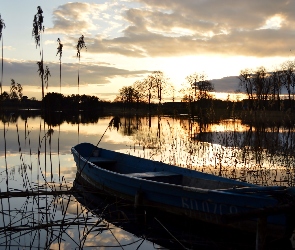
265,89
52,102
56,101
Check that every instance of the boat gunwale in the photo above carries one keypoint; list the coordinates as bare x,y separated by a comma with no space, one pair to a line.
194,214
193,189
235,191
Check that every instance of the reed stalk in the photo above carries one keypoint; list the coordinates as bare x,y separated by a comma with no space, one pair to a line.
59,52
2,26
80,45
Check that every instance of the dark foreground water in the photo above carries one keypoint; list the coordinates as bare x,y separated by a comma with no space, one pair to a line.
35,157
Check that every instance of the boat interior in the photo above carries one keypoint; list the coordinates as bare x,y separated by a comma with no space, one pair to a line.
164,176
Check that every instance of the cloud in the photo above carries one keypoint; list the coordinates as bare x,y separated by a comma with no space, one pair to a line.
181,28
25,73
226,84
120,31
72,18
231,84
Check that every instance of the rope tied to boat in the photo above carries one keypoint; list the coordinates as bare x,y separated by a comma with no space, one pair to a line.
115,121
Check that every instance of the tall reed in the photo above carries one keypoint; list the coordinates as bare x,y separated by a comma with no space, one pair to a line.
59,52
80,45
38,29
2,26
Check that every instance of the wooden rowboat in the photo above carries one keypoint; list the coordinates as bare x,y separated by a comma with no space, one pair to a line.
268,211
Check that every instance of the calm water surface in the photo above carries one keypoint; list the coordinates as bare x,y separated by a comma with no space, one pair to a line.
35,156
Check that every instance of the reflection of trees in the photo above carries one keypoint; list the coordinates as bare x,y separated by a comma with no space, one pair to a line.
261,153
57,118
115,123
256,152
151,137
275,139
11,117
258,136
130,125
52,118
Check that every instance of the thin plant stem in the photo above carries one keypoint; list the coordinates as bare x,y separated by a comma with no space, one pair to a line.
1,83
2,26
59,52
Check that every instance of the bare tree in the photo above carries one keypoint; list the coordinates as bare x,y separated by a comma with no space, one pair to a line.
197,86
288,69
161,84
127,94
154,88
247,84
276,86
146,88
261,85
196,89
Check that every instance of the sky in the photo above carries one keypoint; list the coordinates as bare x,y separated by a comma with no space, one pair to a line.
127,40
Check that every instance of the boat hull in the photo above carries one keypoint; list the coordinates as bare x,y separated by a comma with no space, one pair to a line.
162,191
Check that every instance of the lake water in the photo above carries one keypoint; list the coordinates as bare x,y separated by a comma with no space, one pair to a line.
35,156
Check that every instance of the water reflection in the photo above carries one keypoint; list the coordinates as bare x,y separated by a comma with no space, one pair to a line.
53,219
257,154
35,155
273,139
158,227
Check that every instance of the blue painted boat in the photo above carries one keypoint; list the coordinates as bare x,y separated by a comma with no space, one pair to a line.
188,193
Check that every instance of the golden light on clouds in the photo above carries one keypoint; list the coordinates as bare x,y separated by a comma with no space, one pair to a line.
126,40
274,22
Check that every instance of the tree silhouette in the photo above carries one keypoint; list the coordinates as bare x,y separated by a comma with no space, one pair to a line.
288,69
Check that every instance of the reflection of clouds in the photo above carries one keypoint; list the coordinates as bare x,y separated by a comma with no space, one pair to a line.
67,138
61,246
167,140
46,167
228,125
106,238
93,239
67,171
74,207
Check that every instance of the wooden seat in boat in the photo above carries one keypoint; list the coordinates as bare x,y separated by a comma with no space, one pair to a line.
152,174
160,176
99,160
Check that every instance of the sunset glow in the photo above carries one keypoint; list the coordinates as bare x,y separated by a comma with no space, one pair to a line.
127,40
